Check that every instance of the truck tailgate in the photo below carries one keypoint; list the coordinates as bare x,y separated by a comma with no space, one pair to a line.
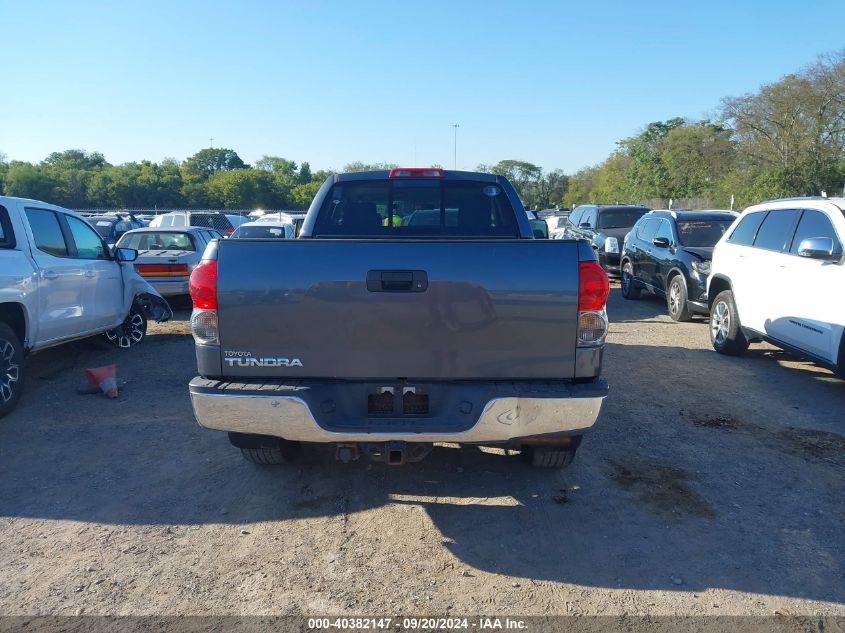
436,310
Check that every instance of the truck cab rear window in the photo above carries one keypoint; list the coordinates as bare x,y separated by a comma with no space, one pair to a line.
416,208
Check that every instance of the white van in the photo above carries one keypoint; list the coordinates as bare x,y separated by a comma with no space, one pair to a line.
205,219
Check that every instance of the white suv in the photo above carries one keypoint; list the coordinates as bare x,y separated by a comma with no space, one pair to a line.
778,275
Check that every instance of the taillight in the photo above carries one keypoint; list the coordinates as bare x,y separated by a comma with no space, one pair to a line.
203,285
416,172
204,326
229,230
593,286
203,289
162,270
593,289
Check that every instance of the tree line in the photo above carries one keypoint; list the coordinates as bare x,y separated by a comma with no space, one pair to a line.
786,139
211,178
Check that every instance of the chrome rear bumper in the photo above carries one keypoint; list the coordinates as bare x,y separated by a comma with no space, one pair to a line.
502,420
170,288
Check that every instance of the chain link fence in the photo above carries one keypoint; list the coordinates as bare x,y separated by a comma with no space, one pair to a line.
692,204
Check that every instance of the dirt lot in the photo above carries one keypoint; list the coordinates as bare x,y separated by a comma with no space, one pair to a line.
711,485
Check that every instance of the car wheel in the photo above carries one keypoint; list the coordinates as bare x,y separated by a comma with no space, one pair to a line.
725,330
286,451
629,289
11,369
132,331
676,299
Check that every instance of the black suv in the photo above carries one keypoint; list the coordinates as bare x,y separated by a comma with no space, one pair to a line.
604,226
669,253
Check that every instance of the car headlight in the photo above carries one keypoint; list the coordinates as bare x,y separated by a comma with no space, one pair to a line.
702,268
611,245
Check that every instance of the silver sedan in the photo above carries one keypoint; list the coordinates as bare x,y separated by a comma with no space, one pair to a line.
166,256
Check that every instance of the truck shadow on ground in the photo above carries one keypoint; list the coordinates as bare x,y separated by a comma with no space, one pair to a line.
663,495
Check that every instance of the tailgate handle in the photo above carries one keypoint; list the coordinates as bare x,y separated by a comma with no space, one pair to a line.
397,281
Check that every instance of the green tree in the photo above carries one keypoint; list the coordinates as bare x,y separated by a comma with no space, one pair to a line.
696,159
166,182
551,188
524,176
281,167
647,176
302,195
73,170
26,180
610,182
4,167
213,159
243,189
137,185
357,166
579,186
791,133
304,175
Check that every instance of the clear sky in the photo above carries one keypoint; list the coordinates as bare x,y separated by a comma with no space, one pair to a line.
552,82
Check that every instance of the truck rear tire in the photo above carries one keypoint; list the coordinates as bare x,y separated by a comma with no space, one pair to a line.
283,453
11,369
550,456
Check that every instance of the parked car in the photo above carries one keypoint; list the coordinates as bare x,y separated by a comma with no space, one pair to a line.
59,281
777,275
285,217
112,226
236,220
556,226
264,230
388,336
605,227
668,253
166,257
207,219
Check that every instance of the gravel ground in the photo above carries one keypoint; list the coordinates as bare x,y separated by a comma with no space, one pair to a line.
711,485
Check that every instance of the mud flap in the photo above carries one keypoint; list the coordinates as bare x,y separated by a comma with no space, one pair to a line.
138,292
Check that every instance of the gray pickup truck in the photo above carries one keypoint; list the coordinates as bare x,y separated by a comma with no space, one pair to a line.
415,307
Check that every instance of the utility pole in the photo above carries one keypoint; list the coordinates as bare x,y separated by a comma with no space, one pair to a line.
455,163
211,141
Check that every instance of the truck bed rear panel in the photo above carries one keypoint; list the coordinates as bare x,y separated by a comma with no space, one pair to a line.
480,310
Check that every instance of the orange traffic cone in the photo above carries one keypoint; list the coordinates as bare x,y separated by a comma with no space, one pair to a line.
104,379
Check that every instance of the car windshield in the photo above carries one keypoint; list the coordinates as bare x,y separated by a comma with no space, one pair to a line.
619,218
413,207
262,232
158,241
701,233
